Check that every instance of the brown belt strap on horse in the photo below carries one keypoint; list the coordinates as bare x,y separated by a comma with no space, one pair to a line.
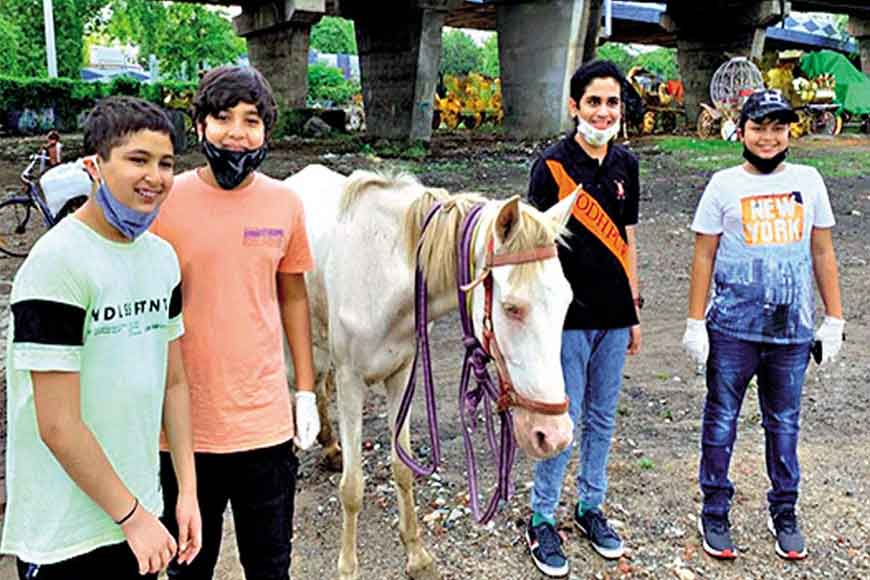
589,212
508,395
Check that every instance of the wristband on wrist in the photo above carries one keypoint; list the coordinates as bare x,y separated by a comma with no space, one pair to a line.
129,515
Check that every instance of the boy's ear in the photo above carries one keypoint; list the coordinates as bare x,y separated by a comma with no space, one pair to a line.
90,165
200,130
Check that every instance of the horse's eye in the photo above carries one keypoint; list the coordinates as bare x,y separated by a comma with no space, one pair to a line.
514,311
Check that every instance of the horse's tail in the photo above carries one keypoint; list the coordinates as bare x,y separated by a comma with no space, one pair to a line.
414,216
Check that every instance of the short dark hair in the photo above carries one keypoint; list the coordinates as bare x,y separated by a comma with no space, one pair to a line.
225,87
113,119
596,69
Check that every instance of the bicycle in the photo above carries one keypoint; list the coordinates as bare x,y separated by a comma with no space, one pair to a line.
18,232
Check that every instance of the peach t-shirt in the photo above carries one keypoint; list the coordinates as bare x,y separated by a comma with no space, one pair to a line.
230,246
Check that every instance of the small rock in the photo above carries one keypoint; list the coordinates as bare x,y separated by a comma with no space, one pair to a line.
316,127
684,574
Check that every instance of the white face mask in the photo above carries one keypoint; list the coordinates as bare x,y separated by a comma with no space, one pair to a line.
596,137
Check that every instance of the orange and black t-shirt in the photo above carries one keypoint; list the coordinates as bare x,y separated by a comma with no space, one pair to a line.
595,265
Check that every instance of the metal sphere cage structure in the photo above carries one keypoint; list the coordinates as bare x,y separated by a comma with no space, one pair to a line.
733,82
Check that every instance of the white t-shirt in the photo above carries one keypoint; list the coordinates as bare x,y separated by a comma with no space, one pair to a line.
763,275
106,310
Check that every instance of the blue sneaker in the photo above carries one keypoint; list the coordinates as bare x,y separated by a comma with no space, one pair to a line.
715,530
790,543
604,539
545,546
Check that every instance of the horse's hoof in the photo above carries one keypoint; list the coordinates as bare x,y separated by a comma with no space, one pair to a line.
331,459
428,572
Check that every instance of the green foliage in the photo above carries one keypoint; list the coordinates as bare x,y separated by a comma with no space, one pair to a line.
646,464
489,59
10,39
71,98
327,83
182,36
617,53
70,17
662,61
333,35
459,53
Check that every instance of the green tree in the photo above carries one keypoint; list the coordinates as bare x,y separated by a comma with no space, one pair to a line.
489,59
10,39
182,36
617,53
459,53
333,35
70,18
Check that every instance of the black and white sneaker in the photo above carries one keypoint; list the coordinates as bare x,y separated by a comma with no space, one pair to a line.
790,543
716,532
603,538
545,546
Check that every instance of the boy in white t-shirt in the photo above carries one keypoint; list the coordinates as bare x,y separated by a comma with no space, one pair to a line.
763,232
93,371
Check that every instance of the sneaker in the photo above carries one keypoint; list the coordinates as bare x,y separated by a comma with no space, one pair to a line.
545,546
716,532
790,542
604,539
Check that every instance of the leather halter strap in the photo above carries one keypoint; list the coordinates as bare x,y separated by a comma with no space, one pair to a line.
508,395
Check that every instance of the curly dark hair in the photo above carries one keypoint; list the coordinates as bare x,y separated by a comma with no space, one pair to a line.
225,87
113,119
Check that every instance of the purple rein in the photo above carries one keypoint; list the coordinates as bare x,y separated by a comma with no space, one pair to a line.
470,399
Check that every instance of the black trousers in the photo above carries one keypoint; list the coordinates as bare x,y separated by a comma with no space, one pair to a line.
260,485
116,562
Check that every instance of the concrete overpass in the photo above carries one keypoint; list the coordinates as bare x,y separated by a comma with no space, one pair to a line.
541,42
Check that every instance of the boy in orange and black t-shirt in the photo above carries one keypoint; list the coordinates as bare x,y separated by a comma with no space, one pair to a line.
241,243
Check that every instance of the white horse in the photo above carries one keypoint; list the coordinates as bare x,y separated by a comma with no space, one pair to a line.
363,230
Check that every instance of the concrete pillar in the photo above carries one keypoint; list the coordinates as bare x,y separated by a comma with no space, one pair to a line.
859,28
590,27
702,48
399,66
282,56
536,68
278,34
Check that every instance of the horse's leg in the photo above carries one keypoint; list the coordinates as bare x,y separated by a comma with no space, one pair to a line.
421,564
331,452
350,402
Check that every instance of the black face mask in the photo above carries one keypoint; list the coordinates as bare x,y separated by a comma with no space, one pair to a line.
230,168
765,166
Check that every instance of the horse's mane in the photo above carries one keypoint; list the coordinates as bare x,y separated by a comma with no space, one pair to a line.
438,249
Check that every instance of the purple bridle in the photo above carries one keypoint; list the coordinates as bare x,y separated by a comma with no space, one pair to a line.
476,359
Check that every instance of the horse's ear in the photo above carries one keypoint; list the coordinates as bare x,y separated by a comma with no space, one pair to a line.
560,212
508,219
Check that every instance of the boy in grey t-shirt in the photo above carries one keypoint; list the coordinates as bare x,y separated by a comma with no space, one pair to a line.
94,371
763,232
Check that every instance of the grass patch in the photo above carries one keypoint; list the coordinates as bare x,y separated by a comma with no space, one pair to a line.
646,464
836,164
702,154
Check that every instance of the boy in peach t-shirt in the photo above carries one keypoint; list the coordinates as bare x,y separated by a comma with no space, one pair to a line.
243,251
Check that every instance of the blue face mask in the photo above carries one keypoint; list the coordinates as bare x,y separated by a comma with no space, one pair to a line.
130,222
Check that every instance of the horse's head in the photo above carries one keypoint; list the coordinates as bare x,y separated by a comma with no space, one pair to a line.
529,303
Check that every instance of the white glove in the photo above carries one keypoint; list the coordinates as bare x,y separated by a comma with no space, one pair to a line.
830,333
307,419
695,341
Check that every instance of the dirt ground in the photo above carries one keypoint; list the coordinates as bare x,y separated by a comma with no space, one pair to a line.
653,498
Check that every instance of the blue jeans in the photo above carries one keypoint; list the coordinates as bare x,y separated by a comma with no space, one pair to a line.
592,362
780,370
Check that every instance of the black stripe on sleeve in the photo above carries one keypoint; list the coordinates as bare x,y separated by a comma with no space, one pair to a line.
175,302
47,322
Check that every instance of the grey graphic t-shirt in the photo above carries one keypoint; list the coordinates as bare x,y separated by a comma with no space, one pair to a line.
763,276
